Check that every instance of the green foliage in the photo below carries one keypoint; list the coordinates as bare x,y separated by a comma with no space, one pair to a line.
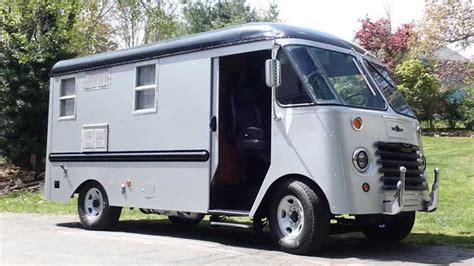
420,87
458,108
350,85
206,15
161,21
34,36
467,110
92,30
136,22
448,23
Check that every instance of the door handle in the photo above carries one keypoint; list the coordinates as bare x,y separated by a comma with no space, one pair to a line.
213,124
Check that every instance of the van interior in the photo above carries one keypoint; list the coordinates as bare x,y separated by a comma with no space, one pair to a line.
244,125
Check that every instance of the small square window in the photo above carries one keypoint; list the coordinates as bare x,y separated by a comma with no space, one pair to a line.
67,98
68,87
145,88
145,99
67,107
146,75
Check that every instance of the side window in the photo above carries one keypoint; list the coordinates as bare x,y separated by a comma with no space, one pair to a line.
145,88
291,91
67,98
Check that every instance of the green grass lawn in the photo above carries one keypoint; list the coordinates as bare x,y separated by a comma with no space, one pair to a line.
451,224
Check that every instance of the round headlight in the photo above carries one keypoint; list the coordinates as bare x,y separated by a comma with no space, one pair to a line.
360,159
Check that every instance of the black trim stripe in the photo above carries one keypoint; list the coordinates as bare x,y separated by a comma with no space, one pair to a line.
133,156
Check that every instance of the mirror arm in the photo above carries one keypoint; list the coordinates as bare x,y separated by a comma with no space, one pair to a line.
275,49
274,111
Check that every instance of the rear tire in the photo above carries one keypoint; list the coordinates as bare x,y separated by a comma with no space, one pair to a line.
188,218
94,210
390,228
299,218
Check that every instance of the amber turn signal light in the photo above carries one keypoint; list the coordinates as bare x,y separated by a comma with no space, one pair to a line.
357,123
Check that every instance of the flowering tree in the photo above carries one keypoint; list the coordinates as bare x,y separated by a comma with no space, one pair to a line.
446,22
378,38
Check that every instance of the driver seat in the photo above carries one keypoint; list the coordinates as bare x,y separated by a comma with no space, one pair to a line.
247,118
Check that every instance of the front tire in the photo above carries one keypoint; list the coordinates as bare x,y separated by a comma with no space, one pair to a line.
390,228
94,210
299,218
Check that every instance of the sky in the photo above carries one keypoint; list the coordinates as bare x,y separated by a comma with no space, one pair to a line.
341,18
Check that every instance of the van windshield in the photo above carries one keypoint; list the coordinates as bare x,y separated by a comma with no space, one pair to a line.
388,88
333,77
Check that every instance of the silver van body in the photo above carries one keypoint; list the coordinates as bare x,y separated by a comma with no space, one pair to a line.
166,157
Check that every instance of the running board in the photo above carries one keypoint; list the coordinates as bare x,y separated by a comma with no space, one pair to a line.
232,225
229,212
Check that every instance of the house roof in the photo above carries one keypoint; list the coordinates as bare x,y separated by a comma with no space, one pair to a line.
448,54
246,33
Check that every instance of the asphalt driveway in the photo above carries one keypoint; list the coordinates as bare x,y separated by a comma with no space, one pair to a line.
56,239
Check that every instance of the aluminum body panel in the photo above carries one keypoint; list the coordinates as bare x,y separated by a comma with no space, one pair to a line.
180,122
318,142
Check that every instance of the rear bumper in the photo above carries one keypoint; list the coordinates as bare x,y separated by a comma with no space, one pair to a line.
411,200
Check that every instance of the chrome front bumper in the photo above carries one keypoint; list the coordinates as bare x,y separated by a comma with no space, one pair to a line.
397,205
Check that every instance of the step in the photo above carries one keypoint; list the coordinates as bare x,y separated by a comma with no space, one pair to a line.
231,225
229,212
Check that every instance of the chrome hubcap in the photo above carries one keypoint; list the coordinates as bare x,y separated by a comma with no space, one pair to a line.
93,203
290,216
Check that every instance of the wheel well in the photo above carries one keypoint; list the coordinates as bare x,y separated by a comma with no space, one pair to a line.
261,211
85,184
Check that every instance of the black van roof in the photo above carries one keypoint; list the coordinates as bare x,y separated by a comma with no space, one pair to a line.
207,40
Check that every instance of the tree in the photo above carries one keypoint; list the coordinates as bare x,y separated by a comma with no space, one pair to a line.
449,23
137,22
458,107
446,22
128,15
457,79
467,108
35,35
271,14
92,29
389,47
161,20
200,16
420,87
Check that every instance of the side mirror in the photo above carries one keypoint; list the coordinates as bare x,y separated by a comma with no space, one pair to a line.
272,73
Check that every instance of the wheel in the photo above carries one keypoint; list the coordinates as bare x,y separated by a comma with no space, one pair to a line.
190,218
94,210
299,218
390,228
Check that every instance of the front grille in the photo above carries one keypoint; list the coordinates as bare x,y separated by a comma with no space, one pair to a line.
392,155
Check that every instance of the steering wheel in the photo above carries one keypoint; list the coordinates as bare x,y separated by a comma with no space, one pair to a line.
312,77
357,95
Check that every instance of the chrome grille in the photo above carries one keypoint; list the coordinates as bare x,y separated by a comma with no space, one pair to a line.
391,156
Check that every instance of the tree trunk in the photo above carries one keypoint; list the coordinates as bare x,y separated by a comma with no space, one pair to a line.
432,123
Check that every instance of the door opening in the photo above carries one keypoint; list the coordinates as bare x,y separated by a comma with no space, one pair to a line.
244,126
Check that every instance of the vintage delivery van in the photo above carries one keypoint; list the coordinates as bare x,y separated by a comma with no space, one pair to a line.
269,121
